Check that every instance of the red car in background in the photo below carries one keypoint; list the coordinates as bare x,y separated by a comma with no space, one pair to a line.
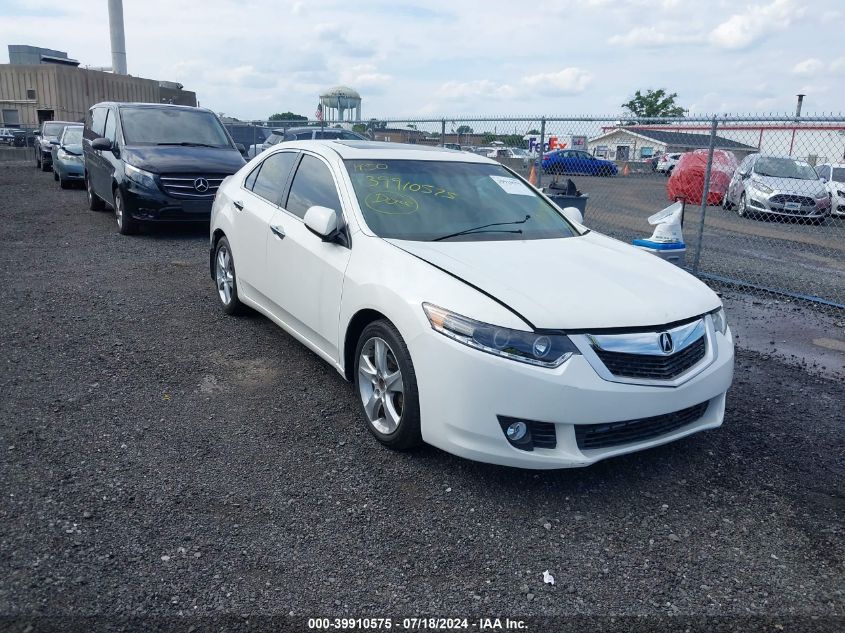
687,179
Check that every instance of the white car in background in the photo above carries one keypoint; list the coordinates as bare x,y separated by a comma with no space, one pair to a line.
469,311
833,175
667,162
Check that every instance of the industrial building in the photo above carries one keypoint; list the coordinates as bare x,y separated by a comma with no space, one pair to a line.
42,84
639,143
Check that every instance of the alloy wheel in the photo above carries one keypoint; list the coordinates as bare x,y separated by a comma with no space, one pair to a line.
224,274
118,210
380,386
741,208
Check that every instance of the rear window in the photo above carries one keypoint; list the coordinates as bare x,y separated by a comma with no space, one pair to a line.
172,126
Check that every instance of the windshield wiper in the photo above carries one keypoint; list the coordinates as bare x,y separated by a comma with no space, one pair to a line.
482,227
189,144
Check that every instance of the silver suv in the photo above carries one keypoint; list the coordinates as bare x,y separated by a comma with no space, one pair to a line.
780,186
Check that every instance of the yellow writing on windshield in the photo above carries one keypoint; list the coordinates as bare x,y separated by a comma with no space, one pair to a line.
395,182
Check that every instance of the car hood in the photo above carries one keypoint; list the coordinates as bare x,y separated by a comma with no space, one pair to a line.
577,283
73,149
793,185
174,159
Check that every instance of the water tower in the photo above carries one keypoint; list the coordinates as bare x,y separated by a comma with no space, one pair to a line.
340,101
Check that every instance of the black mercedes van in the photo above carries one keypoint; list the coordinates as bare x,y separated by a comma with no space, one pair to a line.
155,162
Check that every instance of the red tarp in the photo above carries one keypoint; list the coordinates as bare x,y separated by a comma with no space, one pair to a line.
687,180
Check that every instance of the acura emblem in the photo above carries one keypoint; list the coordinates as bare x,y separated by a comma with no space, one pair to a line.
201,185
666,343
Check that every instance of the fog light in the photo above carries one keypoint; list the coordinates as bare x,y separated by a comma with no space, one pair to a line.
516,431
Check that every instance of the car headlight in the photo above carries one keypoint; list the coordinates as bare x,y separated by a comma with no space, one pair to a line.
762,187
141,177
63,155
534,348
720,320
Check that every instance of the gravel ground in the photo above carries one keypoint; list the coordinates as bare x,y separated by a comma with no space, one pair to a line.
159,458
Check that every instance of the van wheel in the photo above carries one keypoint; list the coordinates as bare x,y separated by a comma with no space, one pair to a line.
95,203
126,225
387,386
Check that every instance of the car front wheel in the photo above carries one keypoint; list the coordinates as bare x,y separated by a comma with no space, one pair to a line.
387,386
742,207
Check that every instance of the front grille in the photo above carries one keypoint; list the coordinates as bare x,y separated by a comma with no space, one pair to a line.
184,185
590,436
654,367
783,198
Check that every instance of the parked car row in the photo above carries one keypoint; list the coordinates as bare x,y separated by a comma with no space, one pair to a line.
759,186
323,235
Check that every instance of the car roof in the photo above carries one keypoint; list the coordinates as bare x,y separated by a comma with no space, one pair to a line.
383,150
149,106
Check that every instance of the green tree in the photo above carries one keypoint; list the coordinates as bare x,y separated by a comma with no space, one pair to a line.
375,124
464,129
533,131
488,138
513,140
287,116
360,128
654,103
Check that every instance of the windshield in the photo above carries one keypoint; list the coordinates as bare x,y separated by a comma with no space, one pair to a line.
784,168
72,136
838,174
172,126
53,129
433,200
519,151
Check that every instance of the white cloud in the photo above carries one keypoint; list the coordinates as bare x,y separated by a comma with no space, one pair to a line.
808,67
838,65
757,21
567,81
476,89
646,36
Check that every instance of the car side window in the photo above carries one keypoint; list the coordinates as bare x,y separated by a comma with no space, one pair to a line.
312,185
111,126
98,121
272,176
303,136
823,171
249,182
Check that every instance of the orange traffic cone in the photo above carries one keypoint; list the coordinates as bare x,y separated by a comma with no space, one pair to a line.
532,176
627,170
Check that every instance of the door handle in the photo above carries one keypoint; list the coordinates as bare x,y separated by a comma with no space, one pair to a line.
278,231
238,205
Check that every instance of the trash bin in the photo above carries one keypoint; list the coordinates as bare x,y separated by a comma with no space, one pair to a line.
579,202
673,252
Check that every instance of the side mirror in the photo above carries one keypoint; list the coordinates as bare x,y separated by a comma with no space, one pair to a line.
574,215
325,224
101,144
241,148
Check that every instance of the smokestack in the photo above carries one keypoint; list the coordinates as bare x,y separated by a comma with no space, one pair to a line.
798,108
118,39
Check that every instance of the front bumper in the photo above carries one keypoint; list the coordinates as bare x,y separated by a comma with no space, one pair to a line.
463,392
757,201
69,170
153,205
837,206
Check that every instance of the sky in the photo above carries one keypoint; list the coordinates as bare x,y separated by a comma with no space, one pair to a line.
432,58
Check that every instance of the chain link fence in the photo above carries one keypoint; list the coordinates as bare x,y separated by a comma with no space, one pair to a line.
772,219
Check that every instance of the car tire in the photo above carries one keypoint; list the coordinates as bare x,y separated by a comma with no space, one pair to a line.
126,225
726,204
386,384
55,176
37,162
742,208
64,183
95,203
226,279
45,166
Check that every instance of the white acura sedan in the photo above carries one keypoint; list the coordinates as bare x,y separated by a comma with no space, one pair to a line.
468,310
